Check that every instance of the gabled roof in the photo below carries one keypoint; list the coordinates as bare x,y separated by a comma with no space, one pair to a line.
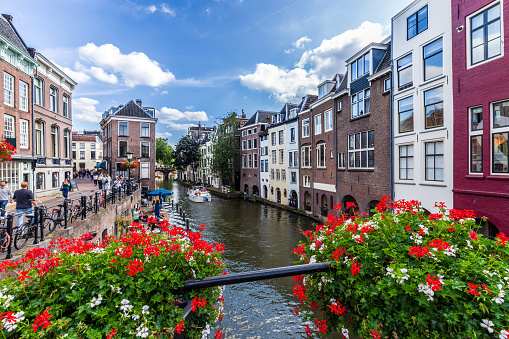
8,31
132,109
343,84
386,61
89,138
259,117
307,101
288,107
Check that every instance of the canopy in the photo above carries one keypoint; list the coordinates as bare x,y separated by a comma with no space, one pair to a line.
101,165
160,192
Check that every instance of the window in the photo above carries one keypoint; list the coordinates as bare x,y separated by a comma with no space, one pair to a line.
307,180
306,156
283,175
53,95
272,174
73,145
406,114
361,103
65,106
254,130
39,139
485,35
145,170
244,144
361,150
66,143
248,132
8,126
281,156
500,137
476,154
249,161
433,59
328,120
281,137
341,160
145,130
23,96
320,155
82,154
434,107
266,165
434,161
417,22
339,105
476,120
255,141
122,148
9,57
273,138
244,161
293,177
92,155
290,159
318,124
360,66
249,144
38,86
405,72
292,134
122,129
387,85
255,160
305,128
145,149
243,133
54,142
39,181
8,89
23,129
82,145
74,154
274,157
278,175
406,162
295,158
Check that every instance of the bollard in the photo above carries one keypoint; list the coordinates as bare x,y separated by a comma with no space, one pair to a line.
187,224
96,205
10,218
113,195
66,205
105,196
184,215
41,222
34,223
83,207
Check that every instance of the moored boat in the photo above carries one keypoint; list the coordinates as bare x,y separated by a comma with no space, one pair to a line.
199,194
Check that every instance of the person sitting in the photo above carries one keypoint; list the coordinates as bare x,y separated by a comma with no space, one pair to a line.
144,202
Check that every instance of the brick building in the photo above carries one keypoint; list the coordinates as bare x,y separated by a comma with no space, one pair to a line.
130,128
363,120
481,110
251,151
87,151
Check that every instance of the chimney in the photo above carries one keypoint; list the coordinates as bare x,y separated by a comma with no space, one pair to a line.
138,102
243,114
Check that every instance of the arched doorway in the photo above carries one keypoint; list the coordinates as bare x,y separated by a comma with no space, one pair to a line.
324,206
307,201
278,195
256,191
350,205
488,229
371,206
246,189
265,192
293,201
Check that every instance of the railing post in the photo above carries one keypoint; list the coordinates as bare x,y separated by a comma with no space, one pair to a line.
83,207
187,224
66,205
113,195
34,224
10,219
41,222
96,204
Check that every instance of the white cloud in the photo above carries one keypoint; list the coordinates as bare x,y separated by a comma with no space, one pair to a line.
164,92
85,109
208,10
151,8
168,10
134,69
285,86
101,75
79,77
288,51
300,43
163,135
190,107
169,114
178,127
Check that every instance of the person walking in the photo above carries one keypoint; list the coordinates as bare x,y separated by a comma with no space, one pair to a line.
24,200
100,181
95,179
107,182
66,186
5,196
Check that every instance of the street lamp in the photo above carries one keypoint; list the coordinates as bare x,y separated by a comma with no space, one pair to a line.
129,187
139,171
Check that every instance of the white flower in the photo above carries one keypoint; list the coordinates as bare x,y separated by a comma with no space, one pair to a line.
87,267
488,324
98,250
144,310
312,260
426,290
142,332
504,334
96,301
205,333
135,317
72,285
344,331
11,324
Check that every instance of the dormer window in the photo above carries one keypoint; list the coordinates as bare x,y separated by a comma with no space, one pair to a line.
360,66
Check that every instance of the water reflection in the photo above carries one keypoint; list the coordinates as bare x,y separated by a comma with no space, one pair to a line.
256,237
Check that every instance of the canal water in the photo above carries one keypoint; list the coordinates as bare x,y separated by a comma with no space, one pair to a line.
256,237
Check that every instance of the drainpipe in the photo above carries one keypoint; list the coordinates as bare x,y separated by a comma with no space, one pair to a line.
311,131
335,148
391,108
33,128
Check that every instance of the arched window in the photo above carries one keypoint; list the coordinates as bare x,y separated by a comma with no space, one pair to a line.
54,141
39,137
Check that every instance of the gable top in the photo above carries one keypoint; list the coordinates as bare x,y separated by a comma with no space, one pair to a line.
10,34
386,61
259,117
307,101
343,85
131,109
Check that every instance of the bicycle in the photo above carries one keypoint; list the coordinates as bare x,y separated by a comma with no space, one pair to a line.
5,238
58,216
24,232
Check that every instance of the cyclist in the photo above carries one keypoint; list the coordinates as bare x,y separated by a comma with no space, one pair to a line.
5,196
24,200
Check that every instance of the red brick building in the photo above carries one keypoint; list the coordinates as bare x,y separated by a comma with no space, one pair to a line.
481,110
130,128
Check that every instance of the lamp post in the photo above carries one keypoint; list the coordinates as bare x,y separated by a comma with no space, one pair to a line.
139,171
129,187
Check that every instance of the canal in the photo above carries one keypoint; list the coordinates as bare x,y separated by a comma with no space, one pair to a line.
255,236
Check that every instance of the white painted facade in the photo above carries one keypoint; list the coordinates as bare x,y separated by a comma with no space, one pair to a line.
423,147
265,171
292,151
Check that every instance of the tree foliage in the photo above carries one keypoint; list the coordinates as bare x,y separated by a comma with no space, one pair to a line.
164,152
186,153
226,147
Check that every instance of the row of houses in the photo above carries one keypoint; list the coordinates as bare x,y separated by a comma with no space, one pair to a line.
37,114
421,115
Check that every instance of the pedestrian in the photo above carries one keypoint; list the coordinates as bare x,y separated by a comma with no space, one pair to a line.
5,196
66,186
24,200
95,179
135,215
100,181
107,182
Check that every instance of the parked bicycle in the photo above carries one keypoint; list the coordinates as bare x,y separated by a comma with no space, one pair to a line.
5,238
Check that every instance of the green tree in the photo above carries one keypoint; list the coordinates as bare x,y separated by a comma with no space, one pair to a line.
226,148
164,152
186,154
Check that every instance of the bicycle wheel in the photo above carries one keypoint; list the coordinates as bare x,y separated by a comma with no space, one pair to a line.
22,235
49,224
4,240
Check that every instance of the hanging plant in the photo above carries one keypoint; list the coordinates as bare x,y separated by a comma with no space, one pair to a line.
284,192
6,151
129,164
272,190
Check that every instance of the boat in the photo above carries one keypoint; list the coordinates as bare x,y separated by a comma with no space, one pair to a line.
199,194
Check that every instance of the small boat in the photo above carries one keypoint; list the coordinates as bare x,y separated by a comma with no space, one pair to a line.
199,194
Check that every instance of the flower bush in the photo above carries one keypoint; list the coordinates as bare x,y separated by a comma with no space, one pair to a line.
129,164
125,288
405,275
6,151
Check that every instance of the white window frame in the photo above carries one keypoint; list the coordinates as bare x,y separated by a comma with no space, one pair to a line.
474,133
353,150
141,147
329,124
53,99
306,151
65,105
38,91
321,148
318,123
281,136
387,85
39,138
281,156
341,161
122,135
273,138
496,130
147,165
54,147
305,128
118,148
141,130
23,133
82,153
255,143
407,166
9,129
8,89
356,102
274,156
292,135
306,181
434,155
23,96
339,106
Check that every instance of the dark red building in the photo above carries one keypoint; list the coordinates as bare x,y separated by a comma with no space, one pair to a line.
481,111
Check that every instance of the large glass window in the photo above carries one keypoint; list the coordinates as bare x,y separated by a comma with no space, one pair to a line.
274,156
305,128
145,149
23,96
281,137
122,129
361,103
8,126
417,22
360,66
54,142
434,161
82,154
501,114
53,95
8,89
23,129
38,86
292,134
434,107
405,78
433,59
66,143
406,162
145,130
361,150
273,138
485,35
145,170
318,124
65,106
306,156
328,120
281,156
122,148
39,140
476,154
406,114
320,155
500,153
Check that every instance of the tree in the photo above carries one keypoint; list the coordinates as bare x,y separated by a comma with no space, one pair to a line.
164,152
186,154
226,148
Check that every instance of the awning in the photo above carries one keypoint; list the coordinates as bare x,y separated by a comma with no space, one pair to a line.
101,165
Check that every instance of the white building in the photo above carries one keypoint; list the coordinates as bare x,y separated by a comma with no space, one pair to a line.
422,103
87,151
264,164
292,149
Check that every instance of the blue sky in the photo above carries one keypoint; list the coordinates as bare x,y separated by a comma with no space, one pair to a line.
197,60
